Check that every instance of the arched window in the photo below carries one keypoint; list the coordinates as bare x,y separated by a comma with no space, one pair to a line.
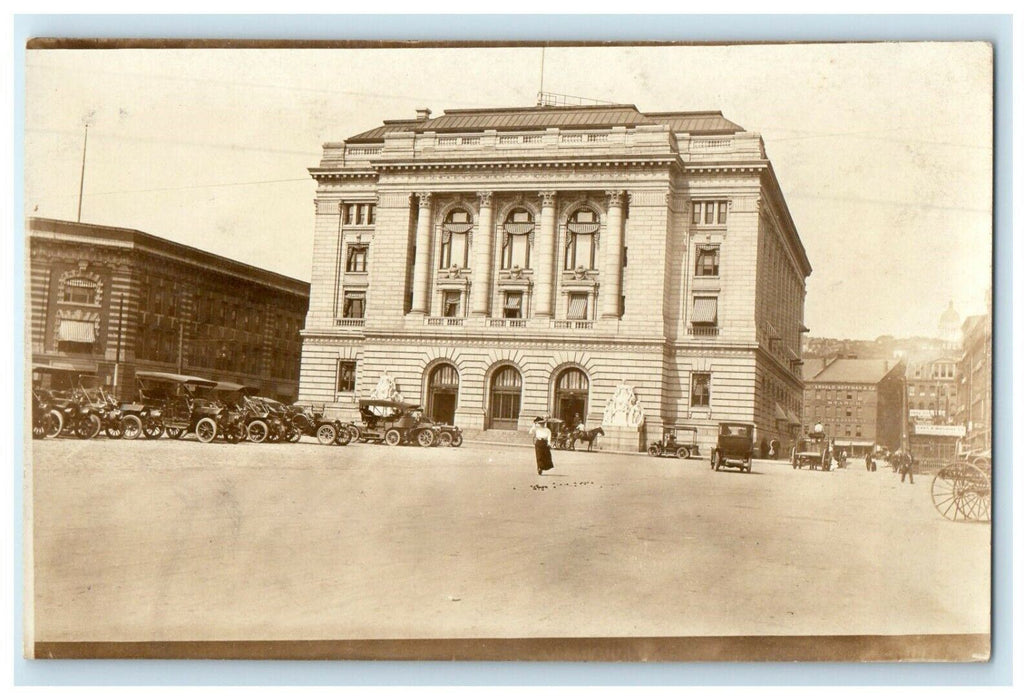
582,231
455,239
80,290
505,398
517,239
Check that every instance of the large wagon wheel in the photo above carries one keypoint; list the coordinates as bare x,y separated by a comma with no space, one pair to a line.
962,492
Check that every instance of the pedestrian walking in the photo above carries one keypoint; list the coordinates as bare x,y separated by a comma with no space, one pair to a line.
543,436
870,462
906,467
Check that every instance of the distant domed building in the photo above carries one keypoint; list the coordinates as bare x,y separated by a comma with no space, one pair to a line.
949,328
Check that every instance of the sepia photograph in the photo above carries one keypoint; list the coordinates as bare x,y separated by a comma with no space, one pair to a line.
515,351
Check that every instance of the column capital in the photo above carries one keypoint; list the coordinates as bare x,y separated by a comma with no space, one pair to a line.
616,197
485,198
423,198
548,198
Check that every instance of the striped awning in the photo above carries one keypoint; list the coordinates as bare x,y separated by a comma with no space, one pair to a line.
705,310
518,228
578,307
780,413
513,301
583,227
76,331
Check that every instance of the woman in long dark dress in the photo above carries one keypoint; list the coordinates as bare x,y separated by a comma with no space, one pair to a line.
543,435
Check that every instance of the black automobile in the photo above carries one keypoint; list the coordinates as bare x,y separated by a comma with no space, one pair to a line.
735,447
396,423
678,441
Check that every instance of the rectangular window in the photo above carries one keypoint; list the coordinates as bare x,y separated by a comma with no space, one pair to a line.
515,251
578,306
354,305
454,250
710,213
512,305
705,311
357,214
345,376
581,251
450,304
356,259
707,261
701,388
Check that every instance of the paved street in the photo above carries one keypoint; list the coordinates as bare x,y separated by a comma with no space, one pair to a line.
171,540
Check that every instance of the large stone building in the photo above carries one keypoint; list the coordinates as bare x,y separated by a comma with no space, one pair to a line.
859,402
501,264
102,296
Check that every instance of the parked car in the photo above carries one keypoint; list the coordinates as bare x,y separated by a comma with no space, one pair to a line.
69,408
312,422
449,435
172,403
678,441
396,423
735,447
813,451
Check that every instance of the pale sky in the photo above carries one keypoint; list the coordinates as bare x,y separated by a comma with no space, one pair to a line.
883,151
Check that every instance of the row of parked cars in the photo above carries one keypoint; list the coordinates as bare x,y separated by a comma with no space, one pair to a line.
175,405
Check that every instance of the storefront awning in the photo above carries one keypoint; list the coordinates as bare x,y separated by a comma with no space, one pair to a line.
705,310
780,413
76,331
792,418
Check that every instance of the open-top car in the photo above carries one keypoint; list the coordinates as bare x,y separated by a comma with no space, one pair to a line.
312,422
678,441
395,423
813,451
61,405
172,404
449,435
735,447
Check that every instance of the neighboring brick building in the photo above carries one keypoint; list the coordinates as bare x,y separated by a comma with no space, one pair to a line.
974,383
499,264
858,402
91,286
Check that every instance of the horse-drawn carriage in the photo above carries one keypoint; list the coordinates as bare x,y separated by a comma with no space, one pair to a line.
962,490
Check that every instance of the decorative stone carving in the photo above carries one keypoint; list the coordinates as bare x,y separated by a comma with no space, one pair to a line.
485,198
387,389
424,199
515,272
616,198
623,409
548,198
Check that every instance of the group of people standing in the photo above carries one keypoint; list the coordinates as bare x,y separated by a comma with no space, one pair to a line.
902,461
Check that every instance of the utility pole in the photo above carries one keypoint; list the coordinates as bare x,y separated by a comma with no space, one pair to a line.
82,175
180,354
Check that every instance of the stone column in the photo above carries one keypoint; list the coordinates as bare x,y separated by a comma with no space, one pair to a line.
614,263
422,260
545,259
484,250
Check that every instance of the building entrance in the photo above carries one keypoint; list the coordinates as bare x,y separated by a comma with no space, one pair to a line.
571,396
442,390
505,399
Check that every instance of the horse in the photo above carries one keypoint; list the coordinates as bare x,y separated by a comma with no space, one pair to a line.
588,436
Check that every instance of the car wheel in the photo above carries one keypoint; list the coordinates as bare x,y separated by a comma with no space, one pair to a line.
56,424
457,439
293,434
393,437
153,431
425,438
174,433
353,432
132,428
326,434
445,439
257,431
653,451
206,430
682,453
344,436
89,427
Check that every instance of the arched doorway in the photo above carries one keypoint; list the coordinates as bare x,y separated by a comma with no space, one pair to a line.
571,396
504,404
443,386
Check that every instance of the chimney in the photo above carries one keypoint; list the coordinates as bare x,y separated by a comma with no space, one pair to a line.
423,114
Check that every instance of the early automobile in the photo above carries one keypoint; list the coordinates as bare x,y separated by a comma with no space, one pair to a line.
735,447
61,405
395,423
678,441
312,422
172,404
813,451
267,420
449,435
